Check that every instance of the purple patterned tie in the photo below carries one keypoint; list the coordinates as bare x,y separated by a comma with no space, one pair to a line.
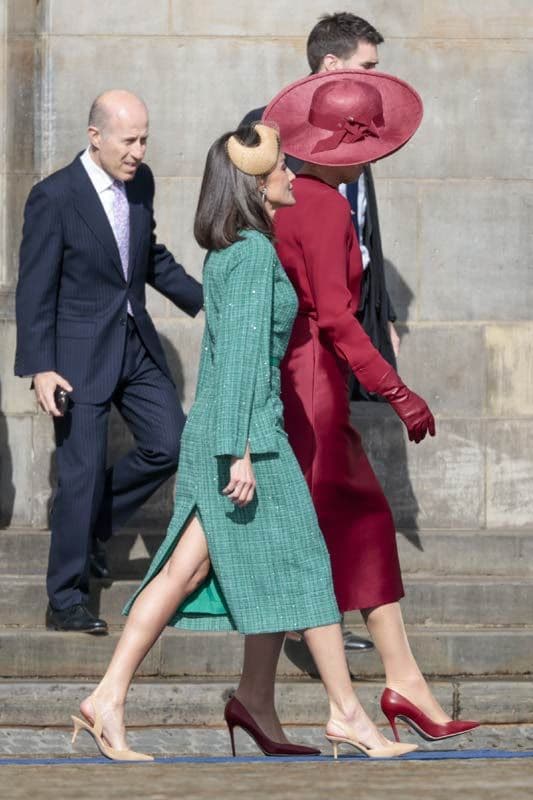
121,226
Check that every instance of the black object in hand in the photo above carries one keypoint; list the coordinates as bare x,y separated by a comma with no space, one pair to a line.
61,399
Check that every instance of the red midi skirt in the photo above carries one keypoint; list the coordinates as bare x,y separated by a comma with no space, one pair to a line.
352,510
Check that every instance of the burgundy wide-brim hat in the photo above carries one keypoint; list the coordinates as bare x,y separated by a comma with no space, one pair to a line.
344,117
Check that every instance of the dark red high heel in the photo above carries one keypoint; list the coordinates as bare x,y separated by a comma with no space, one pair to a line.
395,706
236,716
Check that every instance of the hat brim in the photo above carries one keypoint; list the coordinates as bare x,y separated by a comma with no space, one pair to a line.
402,114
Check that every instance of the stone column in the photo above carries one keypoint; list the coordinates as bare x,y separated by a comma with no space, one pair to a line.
20,100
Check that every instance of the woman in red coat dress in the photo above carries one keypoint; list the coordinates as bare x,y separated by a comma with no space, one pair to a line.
336,122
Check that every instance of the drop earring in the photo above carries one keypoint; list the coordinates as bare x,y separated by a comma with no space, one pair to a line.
263,193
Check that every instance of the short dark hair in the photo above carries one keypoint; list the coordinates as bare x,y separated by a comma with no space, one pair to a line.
339,34
229,199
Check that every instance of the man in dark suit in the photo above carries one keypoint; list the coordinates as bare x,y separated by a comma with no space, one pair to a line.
87,253
344,41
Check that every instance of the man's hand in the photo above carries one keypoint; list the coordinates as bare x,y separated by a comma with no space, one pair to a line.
394,339
45,384
241,487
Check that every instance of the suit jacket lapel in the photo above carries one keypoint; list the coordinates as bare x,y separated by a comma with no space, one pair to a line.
136,226
370,206
351,196
89,206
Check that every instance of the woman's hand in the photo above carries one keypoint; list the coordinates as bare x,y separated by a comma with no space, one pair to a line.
241,486
412,409
414,413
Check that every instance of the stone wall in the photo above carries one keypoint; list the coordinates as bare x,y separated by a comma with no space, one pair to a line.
455,209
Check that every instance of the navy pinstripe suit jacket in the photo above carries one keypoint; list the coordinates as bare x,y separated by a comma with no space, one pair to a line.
72,295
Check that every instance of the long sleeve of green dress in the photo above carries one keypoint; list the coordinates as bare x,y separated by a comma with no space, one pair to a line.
242,345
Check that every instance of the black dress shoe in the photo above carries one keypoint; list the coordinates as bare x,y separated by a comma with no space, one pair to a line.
98,560
76,618
356,644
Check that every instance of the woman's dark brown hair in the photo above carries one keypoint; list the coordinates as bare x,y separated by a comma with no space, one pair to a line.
229,199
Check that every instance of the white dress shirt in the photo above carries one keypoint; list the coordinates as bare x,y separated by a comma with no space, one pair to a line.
102,182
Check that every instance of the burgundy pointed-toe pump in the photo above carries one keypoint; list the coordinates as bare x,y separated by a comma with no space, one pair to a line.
237,716
395,706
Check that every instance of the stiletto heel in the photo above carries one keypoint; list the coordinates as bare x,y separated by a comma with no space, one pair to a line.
393,750
237,716
395,706
392,722
96,731
232,738
77,728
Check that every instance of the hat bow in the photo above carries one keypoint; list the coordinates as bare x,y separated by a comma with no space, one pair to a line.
350,109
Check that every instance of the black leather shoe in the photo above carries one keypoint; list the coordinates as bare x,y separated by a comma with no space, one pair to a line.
356,644
98,560
76,618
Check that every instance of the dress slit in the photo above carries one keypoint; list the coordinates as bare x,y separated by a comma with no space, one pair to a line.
208,599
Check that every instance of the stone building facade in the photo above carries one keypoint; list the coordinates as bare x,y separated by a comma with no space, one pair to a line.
456,212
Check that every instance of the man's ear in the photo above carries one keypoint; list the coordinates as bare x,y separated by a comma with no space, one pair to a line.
330,62
94,137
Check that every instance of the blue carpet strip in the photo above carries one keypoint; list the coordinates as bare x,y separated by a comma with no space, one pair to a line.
428,755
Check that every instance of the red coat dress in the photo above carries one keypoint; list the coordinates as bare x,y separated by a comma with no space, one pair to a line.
317,245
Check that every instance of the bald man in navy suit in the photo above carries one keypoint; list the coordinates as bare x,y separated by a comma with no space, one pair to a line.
87,254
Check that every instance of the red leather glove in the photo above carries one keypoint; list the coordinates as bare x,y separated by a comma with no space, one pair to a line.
412,409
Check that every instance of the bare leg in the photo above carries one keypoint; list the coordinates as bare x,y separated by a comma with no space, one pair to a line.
256,686
347,716
186,569
402,673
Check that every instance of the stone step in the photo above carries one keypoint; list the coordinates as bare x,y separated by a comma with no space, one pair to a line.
457,600
483,552
465,600
24,742
20,742
38,653
197,703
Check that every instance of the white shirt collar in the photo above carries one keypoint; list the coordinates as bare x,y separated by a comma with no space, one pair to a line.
99,177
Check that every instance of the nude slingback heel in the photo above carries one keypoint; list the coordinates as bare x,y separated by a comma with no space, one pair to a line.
392,750
109,752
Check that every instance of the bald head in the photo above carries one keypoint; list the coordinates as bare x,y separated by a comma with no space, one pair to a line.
115,103
118,131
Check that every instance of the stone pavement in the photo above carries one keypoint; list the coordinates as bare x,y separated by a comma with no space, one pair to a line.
324,780
348,778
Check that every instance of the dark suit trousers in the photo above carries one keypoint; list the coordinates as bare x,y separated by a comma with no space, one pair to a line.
91,501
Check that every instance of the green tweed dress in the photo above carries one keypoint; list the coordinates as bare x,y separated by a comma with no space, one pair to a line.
270,566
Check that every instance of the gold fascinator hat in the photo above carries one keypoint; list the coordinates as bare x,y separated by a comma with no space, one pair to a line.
258,159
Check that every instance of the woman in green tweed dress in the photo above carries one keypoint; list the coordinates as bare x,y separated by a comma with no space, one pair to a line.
243,549
256,548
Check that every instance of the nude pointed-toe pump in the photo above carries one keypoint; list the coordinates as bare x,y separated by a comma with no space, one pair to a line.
95,729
